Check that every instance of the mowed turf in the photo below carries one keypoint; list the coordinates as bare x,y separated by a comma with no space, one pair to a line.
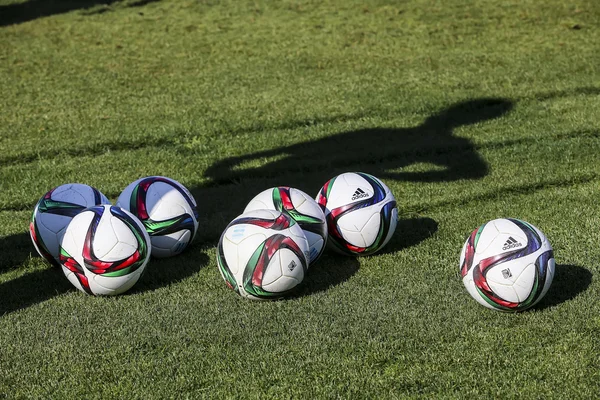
467,110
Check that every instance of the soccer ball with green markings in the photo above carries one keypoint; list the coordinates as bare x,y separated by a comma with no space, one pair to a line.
104,250
361,213
263,254
302,208
54,211
507,264
167,210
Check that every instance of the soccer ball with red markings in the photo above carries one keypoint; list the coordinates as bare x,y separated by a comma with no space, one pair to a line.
299,206
105,250
360,211
54,211
263,254
167,210
507,264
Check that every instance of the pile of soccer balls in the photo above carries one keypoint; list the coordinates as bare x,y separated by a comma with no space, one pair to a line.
265,253
104,249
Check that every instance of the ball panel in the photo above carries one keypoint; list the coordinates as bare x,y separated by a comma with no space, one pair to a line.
247,248
282,285
299,200
272,271
550,269
370,230
523,282
504,292
486,236
291,265
121,231
110,286
163,202
229,254
104,238
353,237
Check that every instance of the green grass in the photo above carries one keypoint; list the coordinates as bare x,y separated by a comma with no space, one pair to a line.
468,110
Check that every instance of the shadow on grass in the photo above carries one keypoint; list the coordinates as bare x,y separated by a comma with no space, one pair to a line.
410,232
330,270
569,281
333,269
27,11
39,286
14,250
162,272
31,289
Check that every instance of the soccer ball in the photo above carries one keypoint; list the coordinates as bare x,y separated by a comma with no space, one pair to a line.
507,264
167,210
54,211
105,250
262,254
360,211
302,208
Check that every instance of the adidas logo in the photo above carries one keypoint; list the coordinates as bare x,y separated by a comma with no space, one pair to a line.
511,243
359,194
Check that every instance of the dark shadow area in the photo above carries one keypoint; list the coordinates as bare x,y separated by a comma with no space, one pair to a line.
39,286
410,232
330,270
23,12
162,272
569,281
333,268
382,152
31,289
14,250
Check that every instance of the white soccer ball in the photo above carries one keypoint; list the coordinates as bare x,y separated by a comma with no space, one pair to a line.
507,264
361,213
54,211
167,210
262,254
105,250
299,206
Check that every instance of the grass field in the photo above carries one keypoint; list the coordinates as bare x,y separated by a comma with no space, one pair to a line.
467,110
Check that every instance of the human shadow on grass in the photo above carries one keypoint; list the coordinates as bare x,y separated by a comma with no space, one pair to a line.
569,281
27,11
383,152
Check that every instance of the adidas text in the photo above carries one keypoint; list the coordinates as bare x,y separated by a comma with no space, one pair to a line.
511,243
359,194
